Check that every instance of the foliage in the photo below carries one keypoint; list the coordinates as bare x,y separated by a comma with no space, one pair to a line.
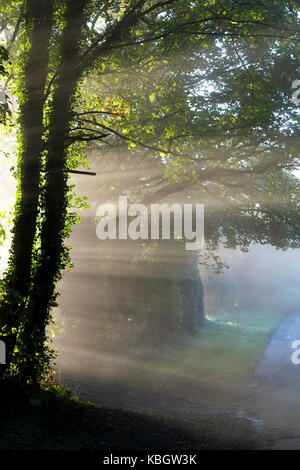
141,76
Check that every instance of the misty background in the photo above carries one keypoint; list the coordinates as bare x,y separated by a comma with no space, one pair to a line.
155,327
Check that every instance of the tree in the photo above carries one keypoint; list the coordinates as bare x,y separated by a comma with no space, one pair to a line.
225,146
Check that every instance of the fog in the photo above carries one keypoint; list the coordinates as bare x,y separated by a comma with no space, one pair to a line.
116,345
149,327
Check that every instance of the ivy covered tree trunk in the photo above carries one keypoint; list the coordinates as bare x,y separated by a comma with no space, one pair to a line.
52,257
38,17
192,292
163,291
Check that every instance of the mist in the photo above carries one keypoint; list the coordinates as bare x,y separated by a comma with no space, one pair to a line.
116,342
151,327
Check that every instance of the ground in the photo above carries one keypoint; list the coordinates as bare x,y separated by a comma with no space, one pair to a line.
203,377
64,423
240,397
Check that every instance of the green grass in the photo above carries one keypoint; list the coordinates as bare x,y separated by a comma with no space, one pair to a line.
227,349
218,361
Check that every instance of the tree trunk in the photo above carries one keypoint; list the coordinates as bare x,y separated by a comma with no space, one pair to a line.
39,20
38,16
55,200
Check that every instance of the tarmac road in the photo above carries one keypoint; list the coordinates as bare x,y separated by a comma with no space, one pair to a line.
275,394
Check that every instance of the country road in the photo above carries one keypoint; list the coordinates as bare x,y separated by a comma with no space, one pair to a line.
274,395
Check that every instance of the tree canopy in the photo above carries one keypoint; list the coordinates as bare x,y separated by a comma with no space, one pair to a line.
194,93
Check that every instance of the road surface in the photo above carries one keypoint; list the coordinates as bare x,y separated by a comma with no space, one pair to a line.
274,394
